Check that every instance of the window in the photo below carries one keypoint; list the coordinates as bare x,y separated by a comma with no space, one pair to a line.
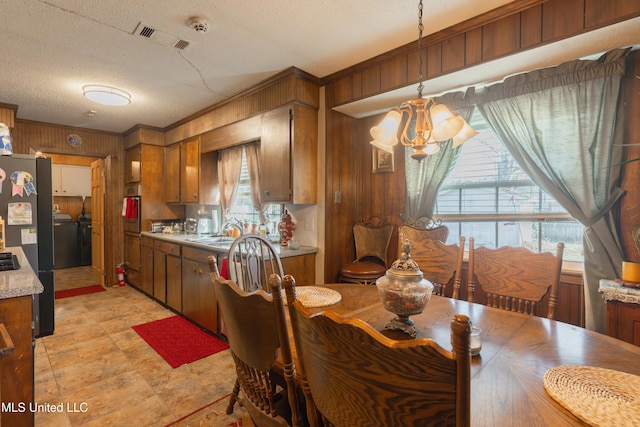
488,196
243,210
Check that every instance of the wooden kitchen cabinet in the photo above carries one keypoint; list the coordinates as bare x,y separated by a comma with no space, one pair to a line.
172,173
163,274
132,258
198,297
16,369
132,164
302,268
160,276
198,180
174,282
146,265
623,321
189,171
289,146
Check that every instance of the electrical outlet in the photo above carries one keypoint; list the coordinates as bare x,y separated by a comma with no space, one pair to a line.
310,224
337,197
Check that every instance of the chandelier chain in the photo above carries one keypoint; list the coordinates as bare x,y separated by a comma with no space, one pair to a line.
420,28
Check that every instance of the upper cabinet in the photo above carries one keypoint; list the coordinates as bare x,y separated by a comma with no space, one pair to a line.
172,173
68,180
147,161
190,176
132,164
189,171
289,155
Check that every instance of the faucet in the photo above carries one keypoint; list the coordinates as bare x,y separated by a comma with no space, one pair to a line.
232,227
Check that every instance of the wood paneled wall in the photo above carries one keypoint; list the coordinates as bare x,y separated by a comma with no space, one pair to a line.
291,85
510,29
29,137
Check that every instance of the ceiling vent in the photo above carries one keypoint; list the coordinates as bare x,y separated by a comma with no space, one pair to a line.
148,32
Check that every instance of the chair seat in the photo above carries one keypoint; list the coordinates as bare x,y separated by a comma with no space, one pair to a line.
362,272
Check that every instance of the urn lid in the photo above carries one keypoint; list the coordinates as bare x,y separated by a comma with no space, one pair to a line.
405,266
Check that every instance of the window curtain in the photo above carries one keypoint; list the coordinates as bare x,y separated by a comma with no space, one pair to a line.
423,179
562,127
229,165
252,152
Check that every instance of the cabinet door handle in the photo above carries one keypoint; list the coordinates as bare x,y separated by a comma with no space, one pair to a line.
266,193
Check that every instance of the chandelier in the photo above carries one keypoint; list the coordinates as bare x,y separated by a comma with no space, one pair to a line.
426,123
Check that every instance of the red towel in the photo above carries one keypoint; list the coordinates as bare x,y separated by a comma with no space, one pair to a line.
129,211
224,269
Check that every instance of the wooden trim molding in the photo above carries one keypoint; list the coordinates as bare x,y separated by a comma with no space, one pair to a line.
512,28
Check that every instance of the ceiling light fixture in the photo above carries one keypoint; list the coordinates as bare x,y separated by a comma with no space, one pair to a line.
427,123
106,95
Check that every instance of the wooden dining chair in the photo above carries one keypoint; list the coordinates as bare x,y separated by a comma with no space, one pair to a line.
352,375
257,332
372,238
214,273
435,231
439,263
516,279
251,260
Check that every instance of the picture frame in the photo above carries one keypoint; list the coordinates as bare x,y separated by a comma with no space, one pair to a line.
382,161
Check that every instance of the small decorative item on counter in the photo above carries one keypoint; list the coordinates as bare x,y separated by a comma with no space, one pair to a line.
247,228
294,244
254,228
404,291
286,228
263,230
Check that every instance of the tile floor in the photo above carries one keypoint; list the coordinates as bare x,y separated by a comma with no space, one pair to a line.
96,365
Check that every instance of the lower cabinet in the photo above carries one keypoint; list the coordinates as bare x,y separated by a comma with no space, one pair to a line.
623,321
198,297
178,276
302,268
164,274
132,258
16,369
174,282
146,262
160,276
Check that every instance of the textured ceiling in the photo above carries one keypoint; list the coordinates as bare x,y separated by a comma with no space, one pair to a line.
51,48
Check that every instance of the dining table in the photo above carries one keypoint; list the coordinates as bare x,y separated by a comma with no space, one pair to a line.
507,386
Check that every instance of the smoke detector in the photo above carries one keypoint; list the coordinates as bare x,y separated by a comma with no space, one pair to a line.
200,24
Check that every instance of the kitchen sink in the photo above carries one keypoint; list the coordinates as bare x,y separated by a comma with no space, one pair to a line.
213,241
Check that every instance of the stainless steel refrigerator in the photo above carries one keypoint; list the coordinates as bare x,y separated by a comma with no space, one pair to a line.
26,205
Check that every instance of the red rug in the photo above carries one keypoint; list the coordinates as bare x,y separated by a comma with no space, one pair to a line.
179,341
214,415
66,293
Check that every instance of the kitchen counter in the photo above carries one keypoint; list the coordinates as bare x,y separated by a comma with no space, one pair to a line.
17,288
17,283
222,246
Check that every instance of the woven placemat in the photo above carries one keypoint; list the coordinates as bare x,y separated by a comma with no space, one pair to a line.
598,396
317,296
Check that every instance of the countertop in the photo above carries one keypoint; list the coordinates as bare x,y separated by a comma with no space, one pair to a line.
614,291
192,240
17,283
